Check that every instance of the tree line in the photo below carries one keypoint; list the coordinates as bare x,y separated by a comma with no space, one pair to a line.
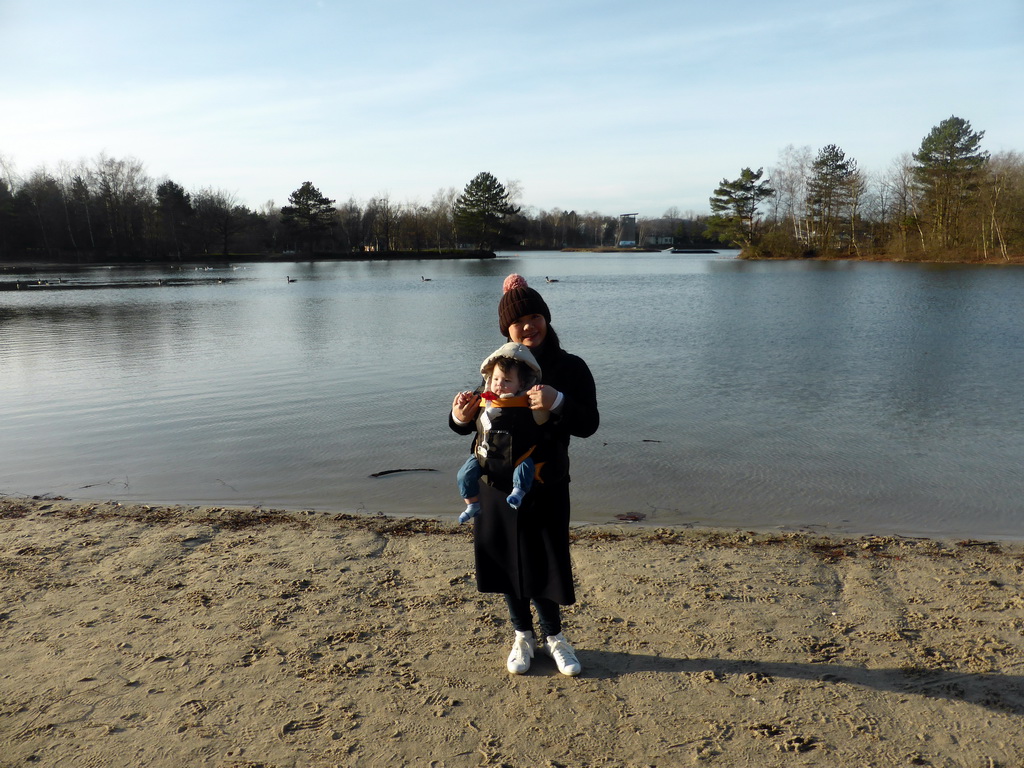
950,199
109,209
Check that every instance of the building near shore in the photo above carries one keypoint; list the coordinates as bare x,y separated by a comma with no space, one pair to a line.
627,230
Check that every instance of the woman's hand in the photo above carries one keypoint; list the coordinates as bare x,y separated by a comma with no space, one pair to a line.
465,405
542,398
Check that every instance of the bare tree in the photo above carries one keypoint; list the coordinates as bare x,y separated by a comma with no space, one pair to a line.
125,194
219,217
350,224
385,221
442,207
1002,203
903,203
789,177
514,190
856,189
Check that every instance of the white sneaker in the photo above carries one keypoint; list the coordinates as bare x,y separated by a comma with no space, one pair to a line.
523,649
558,648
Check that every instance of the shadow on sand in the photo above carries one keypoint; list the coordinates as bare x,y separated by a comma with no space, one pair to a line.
1004,693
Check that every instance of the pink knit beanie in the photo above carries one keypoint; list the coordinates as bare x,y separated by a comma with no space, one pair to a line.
518,299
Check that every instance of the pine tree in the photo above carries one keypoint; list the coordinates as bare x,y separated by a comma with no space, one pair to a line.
174,207
831,190
948,170
310,213
734,208
483,212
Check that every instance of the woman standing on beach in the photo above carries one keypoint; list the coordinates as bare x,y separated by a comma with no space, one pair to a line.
524,553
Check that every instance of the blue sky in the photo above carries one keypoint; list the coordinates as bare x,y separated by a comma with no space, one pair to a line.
594,106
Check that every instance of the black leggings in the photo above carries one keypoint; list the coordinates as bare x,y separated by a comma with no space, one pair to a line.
548,614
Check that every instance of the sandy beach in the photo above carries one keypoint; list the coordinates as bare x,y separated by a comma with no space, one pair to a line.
184,636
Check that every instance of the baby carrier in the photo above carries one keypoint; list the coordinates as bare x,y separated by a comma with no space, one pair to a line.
507,435
507,432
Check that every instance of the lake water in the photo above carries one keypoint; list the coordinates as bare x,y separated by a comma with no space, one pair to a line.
843,397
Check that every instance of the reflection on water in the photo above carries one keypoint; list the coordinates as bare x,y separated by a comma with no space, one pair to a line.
860,397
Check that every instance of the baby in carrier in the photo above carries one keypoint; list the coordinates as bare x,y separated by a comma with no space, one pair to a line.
507,429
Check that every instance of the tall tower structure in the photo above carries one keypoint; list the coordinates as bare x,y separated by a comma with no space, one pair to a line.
627,230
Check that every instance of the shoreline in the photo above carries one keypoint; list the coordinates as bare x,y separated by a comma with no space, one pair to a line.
627,522
226,636
280,258
443,515
221,261
247,515
1015,260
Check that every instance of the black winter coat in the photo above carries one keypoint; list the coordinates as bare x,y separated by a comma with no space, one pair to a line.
525,552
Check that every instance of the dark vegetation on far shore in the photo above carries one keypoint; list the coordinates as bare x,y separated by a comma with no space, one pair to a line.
950,201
